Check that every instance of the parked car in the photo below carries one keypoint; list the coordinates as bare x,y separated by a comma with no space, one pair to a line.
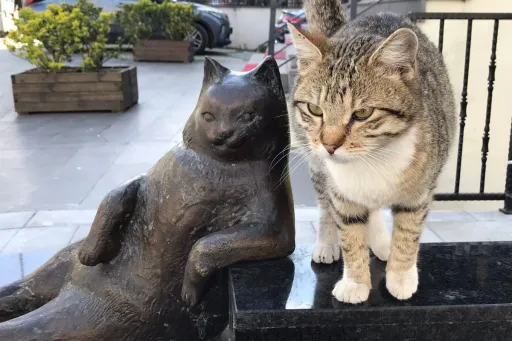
297,18
212,28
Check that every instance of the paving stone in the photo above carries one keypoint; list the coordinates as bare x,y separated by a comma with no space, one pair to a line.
59,218
304,233
11,266
491,216
81,233
6,236
472,231
14,219
40,239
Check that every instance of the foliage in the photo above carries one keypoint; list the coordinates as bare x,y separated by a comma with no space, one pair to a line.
49,39
145,19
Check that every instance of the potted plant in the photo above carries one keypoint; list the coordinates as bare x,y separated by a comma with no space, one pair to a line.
158,31
49,40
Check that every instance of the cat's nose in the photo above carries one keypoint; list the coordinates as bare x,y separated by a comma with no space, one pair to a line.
223,136
331,148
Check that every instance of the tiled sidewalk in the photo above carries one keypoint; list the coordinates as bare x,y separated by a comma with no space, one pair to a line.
52,230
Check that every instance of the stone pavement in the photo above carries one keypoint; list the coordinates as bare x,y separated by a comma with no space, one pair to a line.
28,239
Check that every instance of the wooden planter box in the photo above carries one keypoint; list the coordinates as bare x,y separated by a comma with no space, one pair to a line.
163,51
111,89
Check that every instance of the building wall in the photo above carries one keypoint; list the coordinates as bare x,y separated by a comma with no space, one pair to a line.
453,51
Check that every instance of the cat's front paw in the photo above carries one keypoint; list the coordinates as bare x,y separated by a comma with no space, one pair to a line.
349,291
326,253
402,285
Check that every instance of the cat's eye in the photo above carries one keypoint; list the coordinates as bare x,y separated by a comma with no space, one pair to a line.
247,117
208,117
315,110
362,114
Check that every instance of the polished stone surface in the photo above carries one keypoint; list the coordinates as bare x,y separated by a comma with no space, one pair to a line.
465,293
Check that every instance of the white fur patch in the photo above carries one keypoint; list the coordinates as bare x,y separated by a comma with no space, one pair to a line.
402,285
326,253
378,236
349,291
372,183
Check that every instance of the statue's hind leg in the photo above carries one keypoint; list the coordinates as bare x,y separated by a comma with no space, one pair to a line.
76,315
40,287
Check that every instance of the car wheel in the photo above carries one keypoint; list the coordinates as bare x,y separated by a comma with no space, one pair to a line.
199,39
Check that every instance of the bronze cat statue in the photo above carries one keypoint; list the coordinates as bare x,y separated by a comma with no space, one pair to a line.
149,268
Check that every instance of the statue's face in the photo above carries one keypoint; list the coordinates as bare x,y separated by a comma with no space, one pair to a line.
240,115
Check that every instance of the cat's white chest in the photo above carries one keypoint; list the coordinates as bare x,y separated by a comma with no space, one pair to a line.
375,182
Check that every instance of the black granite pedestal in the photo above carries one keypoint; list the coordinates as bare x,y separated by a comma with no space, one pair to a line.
465,293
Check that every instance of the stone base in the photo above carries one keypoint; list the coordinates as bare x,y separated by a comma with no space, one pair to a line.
465,293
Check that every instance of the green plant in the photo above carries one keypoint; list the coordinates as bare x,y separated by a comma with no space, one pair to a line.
145,19
49,39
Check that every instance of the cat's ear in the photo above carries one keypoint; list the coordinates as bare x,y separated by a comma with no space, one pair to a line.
398,53
267,73
308,47
213,71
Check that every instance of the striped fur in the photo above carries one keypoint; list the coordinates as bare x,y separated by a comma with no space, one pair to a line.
383,65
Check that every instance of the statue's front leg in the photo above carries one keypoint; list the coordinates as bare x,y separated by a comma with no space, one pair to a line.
248,241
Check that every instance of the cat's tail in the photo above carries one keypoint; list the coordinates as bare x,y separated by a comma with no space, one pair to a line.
325,17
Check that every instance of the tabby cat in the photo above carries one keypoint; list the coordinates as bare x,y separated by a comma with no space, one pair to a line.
374,111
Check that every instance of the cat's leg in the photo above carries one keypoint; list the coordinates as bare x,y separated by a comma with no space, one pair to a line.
326,249
378,237
355,285
401,270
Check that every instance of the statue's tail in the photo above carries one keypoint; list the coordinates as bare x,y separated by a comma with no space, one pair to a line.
325,17
38,288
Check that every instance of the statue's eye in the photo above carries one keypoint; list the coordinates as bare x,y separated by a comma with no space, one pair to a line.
363,114
247,117
208,117
315,110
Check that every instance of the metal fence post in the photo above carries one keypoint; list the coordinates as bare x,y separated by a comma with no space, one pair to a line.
508,183
271,30
353,9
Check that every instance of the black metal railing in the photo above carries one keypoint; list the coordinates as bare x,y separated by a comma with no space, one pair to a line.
481,195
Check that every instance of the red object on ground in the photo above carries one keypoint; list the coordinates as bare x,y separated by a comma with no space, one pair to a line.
288,42
279,55
249,67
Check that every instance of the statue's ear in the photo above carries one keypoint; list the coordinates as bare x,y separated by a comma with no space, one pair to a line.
397,54
213,71
309,47
267,73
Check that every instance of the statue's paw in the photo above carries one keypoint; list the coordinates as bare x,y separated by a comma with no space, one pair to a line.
404,284
326,253
88,255
349,291
189,295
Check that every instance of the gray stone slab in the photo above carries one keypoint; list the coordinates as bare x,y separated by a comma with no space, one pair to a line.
59,218
32,260
11,268
6,236
14,219
472,231
304,233
116,175
449,216
491,216
81,233
40,239
143,152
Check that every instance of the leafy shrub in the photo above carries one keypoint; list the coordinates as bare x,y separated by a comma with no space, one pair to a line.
49,39
145,19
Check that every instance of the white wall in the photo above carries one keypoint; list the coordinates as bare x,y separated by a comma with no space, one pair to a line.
6,9
250,26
